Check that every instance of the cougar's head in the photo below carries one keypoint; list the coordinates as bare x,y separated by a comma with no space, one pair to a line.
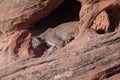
36,41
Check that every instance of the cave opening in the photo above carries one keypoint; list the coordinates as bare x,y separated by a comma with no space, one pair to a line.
67,12
108,20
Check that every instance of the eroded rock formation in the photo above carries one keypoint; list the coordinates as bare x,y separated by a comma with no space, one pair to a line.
93,55
16,17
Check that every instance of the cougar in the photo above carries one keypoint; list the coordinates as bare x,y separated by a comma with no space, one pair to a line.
57,37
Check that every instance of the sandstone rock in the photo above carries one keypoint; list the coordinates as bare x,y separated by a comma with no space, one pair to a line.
101,23
16,17
20,14
91,56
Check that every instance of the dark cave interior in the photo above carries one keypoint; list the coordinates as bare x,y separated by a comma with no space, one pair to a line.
68,11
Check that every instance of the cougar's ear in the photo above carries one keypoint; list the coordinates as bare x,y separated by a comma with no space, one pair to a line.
33,38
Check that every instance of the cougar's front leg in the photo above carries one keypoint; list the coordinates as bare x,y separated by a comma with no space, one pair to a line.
51,48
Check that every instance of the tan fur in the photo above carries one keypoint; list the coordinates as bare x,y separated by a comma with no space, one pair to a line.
60,35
